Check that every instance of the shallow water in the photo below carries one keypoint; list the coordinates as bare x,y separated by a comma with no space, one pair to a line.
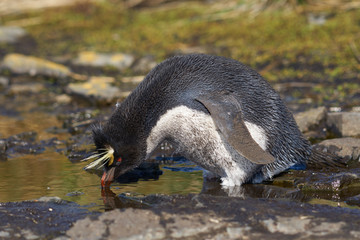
52,174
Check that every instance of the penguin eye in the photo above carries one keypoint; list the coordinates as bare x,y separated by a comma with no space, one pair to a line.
118,161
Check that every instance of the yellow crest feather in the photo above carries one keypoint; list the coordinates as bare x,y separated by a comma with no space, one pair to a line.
102,158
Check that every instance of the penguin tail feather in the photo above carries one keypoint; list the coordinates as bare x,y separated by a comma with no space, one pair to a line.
319,160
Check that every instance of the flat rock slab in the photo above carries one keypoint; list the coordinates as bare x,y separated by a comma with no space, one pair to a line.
21,64
348,148
179,217
120,61
211,217
96,89
345,124
312,119
38,219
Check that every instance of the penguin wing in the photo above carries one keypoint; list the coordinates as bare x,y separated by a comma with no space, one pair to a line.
224,109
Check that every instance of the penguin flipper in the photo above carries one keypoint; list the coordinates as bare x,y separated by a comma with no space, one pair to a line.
224,109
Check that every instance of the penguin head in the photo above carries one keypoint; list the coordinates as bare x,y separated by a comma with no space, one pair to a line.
115,153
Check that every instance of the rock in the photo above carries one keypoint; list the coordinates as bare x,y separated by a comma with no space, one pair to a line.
144,64
347,148
63,99
311,120
330,182
96,89
74,194
25,143
10,34
3,147
120,61
22,64
39,219
15,7
4,82
178,217
51,200
344,124
134,79
354,200
26,88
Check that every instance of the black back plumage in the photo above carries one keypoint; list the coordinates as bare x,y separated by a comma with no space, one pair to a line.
180,79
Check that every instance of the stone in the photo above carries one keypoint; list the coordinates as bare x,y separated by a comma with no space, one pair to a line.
347,148
3,146
21,64
344,124
98,89
11,34
74,194
120,61
287,225
4,82
63,99
134,79
4,234
311,120
17,7
26,88
39,219
176,217
354,201
124,227
144,64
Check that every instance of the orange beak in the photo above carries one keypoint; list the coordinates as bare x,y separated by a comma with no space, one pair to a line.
107,178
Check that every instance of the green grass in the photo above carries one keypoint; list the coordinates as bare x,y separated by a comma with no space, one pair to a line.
281,44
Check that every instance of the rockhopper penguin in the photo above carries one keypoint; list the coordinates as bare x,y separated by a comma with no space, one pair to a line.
221,114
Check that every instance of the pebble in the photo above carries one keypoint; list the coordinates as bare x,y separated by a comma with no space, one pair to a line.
144,64
4,82
75,193
63,99
120,61
134,79
4,234
11,34
21,64
311,119
98,89
26,88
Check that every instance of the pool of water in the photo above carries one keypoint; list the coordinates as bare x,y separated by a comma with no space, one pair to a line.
52,174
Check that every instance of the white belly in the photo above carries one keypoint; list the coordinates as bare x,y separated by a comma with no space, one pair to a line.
199,140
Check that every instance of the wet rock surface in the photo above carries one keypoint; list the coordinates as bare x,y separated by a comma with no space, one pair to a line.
348,148
184,217
46,217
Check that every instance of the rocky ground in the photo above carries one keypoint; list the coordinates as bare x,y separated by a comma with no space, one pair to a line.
179,217
62,86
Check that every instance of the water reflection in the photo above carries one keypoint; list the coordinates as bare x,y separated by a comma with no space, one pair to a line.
112,201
